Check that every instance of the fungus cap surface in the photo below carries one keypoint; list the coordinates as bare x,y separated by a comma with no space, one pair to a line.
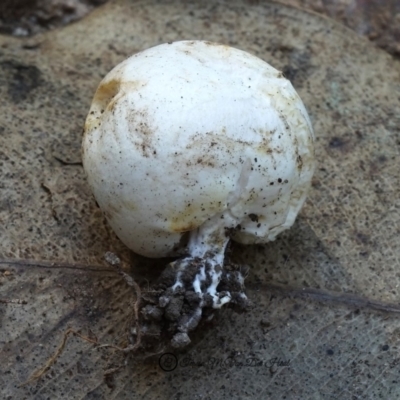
193,137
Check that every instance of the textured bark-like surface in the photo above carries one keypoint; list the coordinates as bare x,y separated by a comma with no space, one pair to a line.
379,20
345,240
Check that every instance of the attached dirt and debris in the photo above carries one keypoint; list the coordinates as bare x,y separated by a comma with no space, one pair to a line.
175,313
164,316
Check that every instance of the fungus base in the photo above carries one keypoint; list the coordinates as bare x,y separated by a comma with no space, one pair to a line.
188,292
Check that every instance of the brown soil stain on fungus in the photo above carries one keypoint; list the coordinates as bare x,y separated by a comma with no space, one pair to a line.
193,215
106,92
208,43
105,96
130,205
184,223
111,210
299,161
264,147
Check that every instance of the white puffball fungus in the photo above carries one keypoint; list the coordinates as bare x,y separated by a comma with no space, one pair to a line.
191,143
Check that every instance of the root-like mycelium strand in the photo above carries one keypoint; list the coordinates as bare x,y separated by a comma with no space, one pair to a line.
190,288
186,288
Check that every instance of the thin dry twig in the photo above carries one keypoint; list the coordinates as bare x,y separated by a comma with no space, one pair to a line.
325,296
13,301
114,261
52,265
287,291
112,371
38,374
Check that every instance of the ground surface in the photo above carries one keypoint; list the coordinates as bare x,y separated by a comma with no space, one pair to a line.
53,237
379,20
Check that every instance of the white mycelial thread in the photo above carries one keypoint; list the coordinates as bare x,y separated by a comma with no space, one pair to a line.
193,143
200,277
